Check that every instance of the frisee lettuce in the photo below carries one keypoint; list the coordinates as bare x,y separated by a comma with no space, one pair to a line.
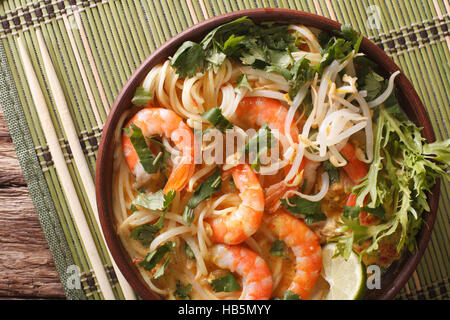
402,173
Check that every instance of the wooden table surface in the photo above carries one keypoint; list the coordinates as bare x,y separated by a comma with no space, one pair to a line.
27,270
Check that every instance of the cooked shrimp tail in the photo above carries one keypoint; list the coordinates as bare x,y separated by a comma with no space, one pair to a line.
256,276
305,246
164,122
240,224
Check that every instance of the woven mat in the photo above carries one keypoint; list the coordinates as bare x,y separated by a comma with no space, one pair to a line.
96,45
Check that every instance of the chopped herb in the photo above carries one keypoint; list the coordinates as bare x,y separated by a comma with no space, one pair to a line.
242,81
301,73
154,201
189,59
155,256
144,233
203,192
258,145
363,66
278,249
290,295
189,252
133,208
216,117
226,283
280,70
263,46
374,84
127,131
182,292
310,211
150,163
141,97
333,172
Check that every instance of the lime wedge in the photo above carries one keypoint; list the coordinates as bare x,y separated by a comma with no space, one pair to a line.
347,278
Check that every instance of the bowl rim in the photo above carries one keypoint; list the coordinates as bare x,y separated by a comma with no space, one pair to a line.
103,176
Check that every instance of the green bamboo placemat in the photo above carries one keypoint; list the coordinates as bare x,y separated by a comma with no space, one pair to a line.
96,45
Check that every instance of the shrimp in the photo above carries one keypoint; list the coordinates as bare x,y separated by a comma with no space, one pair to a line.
256,275
243,222
305,246
159,121
256,111
356,170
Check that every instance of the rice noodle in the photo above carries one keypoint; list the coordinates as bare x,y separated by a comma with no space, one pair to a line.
164,236
268,94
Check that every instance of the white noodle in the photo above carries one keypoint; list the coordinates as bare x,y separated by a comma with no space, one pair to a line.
383,97
164,236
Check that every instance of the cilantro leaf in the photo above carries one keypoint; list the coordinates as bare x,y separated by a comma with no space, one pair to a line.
333,172
203,192
363,66
189,59
242,81
226,283
141,97
232,44
150,163
154,201
374,84
155,256
238,26
310,211
301,73
183,292
145,233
